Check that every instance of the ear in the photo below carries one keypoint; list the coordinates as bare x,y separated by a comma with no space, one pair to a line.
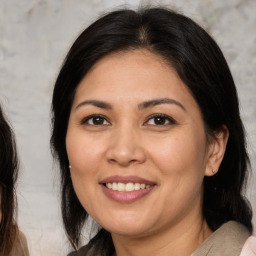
216,150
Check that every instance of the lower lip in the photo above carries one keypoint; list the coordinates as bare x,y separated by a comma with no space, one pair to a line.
126,197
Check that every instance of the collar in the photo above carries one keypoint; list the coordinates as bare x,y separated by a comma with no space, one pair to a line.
225,241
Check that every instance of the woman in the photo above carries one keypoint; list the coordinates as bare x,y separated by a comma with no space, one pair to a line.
147,132
12,241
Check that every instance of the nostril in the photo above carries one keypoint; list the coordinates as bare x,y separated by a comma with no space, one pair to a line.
123,162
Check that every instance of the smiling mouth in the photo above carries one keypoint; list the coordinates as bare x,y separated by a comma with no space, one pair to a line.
126,187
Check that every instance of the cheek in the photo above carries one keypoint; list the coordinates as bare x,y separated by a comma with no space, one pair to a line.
83,152
181,161
84,155
179,153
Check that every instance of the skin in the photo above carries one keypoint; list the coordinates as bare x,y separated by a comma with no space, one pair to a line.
175,155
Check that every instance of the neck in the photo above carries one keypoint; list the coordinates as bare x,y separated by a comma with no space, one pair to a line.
183,239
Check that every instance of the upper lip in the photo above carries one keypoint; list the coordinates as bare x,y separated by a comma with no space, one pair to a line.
126,179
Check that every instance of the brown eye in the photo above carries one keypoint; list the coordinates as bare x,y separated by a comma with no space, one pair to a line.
96,120
160,119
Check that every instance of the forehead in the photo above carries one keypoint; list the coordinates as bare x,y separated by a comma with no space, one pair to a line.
137,74
131,59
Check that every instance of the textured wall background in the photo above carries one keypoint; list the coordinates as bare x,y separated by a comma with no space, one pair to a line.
34,38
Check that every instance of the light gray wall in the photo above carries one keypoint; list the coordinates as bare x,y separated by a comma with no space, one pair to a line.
34,38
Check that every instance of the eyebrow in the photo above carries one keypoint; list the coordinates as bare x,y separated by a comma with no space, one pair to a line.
141,106
155,102
96,103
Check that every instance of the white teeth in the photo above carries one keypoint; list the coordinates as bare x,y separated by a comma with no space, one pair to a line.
114,186
142,186
129,187
137,186
120,186
126,187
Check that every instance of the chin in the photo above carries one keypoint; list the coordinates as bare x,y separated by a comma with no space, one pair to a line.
127,228
131,232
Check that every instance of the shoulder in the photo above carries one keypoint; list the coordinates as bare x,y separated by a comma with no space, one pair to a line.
249,248
20,247
83,251
100,245
229,239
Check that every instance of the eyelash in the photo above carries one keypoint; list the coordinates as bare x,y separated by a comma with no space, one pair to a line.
165,118
85,121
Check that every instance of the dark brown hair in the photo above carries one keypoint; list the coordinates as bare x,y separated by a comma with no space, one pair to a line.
200,64
8,177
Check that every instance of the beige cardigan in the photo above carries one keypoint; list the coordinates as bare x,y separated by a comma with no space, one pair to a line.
231,239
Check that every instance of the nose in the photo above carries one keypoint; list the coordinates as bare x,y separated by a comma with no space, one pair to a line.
126,147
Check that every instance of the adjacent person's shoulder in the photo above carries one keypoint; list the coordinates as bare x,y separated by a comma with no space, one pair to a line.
20,247
249,248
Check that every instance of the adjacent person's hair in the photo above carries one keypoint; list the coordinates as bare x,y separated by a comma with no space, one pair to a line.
8,177
200,64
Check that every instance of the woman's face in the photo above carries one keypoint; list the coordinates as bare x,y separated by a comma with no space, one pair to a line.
137,145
